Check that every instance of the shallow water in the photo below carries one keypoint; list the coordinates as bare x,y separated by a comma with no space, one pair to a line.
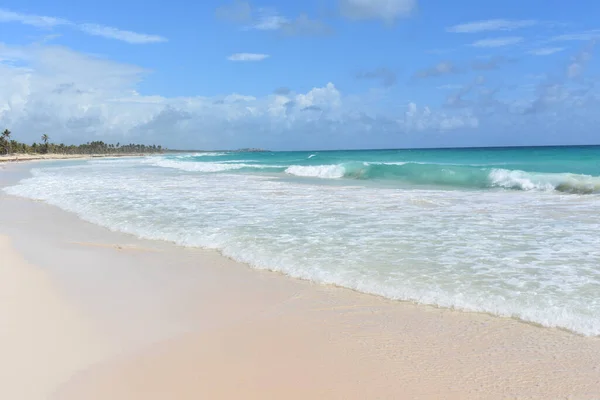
512,232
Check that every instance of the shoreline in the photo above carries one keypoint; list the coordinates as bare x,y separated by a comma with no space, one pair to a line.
193,324
14,158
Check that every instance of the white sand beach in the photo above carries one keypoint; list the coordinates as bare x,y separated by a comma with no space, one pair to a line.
44,157
87,313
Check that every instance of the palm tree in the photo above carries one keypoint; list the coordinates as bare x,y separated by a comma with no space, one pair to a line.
45,139
6,139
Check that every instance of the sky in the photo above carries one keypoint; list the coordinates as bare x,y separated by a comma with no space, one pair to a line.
294,75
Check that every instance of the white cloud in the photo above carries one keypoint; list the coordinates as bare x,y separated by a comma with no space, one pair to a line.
33,20
269,20
247,57
39,21
118,34
328,97
546,51
498,42
492,25
578,36
75,98
422,119
456,122
386,10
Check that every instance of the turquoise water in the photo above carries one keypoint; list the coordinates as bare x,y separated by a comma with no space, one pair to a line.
513,232
567,169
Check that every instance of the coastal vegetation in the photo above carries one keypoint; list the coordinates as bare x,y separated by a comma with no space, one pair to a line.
8,145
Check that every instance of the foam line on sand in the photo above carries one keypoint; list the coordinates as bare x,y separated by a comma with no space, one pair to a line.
93,322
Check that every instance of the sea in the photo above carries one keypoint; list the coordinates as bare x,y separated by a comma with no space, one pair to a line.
513,232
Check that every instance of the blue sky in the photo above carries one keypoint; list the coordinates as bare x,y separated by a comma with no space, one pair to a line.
315,74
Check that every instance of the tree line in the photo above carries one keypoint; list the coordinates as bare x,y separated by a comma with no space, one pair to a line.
11,146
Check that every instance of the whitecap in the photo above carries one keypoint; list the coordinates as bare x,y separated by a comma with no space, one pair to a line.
317,171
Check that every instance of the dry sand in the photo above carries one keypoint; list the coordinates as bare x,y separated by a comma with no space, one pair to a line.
174,323
44,340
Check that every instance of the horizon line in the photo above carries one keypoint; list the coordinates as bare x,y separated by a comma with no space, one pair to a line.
259,150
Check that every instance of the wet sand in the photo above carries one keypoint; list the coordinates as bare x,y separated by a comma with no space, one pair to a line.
94,314
48,157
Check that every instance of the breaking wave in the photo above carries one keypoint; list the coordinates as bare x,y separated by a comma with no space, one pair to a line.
461,176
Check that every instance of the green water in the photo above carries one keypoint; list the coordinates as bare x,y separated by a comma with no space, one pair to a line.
565,169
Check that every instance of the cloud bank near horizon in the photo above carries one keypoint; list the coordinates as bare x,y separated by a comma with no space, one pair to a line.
75,97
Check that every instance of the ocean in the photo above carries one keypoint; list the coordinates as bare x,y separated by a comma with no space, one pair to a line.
513,232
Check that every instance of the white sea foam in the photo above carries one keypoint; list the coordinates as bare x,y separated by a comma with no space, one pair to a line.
237,161
514,179
117,160
526,254
391,163
208,154
202,166
317,171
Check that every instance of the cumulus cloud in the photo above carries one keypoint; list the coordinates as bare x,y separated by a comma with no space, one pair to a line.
248,57
498,42
386,10
492,25
565,95
326,97
422,118
108,32
75,98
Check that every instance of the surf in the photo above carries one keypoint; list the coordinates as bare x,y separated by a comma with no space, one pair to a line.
458,176
507,248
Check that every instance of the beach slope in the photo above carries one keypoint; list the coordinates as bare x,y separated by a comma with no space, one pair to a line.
44,339
87,313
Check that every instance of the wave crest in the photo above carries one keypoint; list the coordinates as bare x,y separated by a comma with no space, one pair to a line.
566,183
317,171
475,177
